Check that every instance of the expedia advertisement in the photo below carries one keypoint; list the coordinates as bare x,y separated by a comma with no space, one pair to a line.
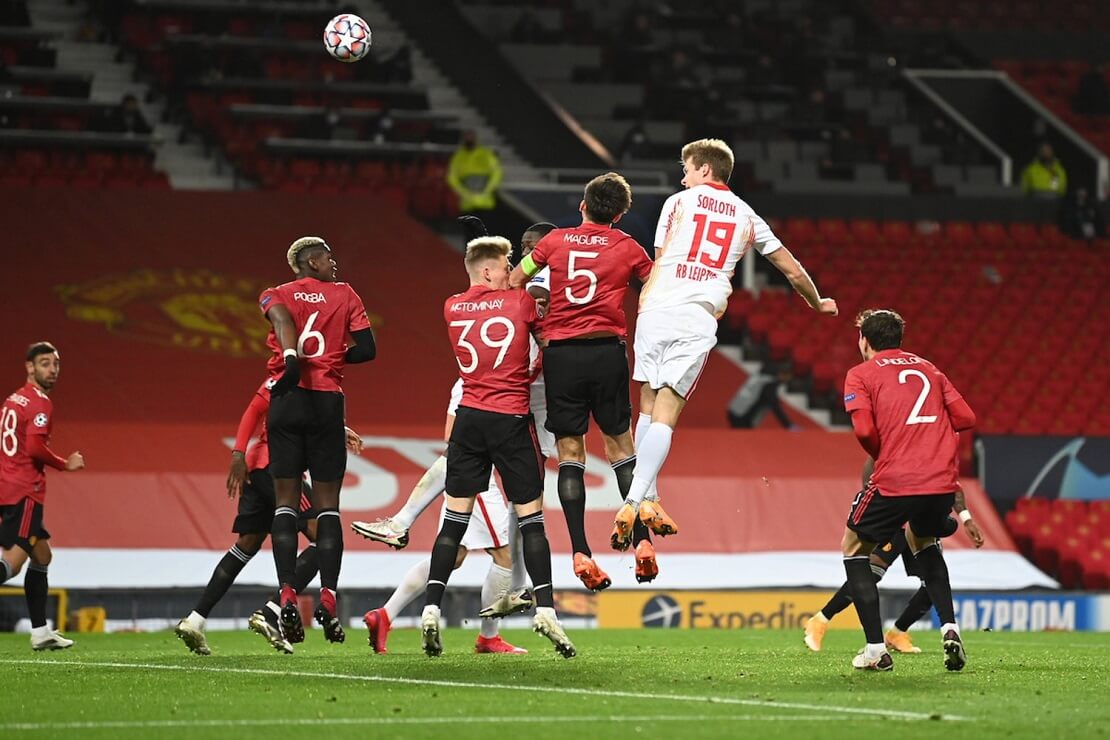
729,610
1052,467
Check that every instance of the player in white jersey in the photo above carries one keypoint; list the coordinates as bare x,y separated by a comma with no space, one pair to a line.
703,232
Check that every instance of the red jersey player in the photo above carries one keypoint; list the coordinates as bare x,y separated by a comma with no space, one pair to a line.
26,419
586,360
490,328
312,318
907,416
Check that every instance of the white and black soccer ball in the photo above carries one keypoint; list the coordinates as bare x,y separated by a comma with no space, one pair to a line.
347,38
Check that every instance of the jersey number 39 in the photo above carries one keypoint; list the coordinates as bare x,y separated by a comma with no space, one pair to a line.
502,344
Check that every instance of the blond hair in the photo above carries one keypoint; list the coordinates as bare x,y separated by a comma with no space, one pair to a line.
295,249
486,248
713,152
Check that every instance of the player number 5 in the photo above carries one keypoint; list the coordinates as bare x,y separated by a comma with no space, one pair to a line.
573,272
915,417
307,334
502,344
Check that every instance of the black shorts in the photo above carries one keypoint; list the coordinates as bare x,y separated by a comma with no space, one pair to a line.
21,524
889,551
878,518
584,377
257,503
306,432
482,440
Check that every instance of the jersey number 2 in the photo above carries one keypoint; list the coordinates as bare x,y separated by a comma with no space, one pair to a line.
8,441
915,413
717,233
502,344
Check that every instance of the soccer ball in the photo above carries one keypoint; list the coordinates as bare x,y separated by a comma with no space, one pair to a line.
347,38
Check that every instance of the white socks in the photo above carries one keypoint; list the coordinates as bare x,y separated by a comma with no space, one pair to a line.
194,619
950,626
44,630
874,651
412,585
426,490
651,452
643,421
498,579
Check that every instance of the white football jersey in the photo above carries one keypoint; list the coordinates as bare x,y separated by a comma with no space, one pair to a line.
702,233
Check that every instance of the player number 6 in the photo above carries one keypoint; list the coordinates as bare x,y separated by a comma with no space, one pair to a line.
307,334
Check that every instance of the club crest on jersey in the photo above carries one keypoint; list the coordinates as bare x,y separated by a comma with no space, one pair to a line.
41,420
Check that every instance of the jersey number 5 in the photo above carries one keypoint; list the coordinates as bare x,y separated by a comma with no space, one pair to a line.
576,272
717,233
8,441
502,344
915,413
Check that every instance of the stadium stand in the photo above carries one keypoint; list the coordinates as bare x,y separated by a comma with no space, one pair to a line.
1009,310
1066,537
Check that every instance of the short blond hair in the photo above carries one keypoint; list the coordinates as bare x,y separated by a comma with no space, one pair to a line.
295,249
486,248
713,152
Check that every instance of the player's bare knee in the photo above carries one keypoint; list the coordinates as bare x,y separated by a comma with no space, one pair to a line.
41,554
310,530
571,449
523,510
852,546
620,447
501,556
460,557
250,544
647,399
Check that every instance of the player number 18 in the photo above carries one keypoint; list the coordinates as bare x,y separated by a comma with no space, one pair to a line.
8,441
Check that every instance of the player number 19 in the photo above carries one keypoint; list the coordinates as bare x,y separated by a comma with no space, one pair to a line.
8,441
717,233
915,413
502,344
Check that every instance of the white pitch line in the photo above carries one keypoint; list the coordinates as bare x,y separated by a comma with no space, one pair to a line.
889,713
316,721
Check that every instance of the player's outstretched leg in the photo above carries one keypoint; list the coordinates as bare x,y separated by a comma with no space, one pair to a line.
817,625
934,571
329,548
647,568
898,638
865,595
537,558
36,588
444,555
572,497
191,628
379,621
652,452
495,589
394,530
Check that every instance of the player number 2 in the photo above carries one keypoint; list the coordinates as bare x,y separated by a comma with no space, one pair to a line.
309,333
717,233
915,413
576,272
8,441
502,344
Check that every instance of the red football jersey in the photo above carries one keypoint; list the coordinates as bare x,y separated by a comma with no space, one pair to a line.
324,314
490,331
258,456
590,269
908,397
26,412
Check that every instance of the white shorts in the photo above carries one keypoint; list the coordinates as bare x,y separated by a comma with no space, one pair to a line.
538,407
672,347
489,522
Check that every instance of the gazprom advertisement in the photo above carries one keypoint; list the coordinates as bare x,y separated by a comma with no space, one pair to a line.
1030,613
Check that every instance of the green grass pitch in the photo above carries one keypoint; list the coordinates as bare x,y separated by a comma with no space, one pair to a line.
626,683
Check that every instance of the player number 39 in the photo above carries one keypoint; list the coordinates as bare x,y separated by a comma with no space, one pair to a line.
502,344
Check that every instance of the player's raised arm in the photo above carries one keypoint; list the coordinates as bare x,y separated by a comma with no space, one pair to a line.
800,280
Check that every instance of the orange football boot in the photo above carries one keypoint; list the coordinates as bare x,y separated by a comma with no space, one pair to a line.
646,567
592,577
621,538
657,520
